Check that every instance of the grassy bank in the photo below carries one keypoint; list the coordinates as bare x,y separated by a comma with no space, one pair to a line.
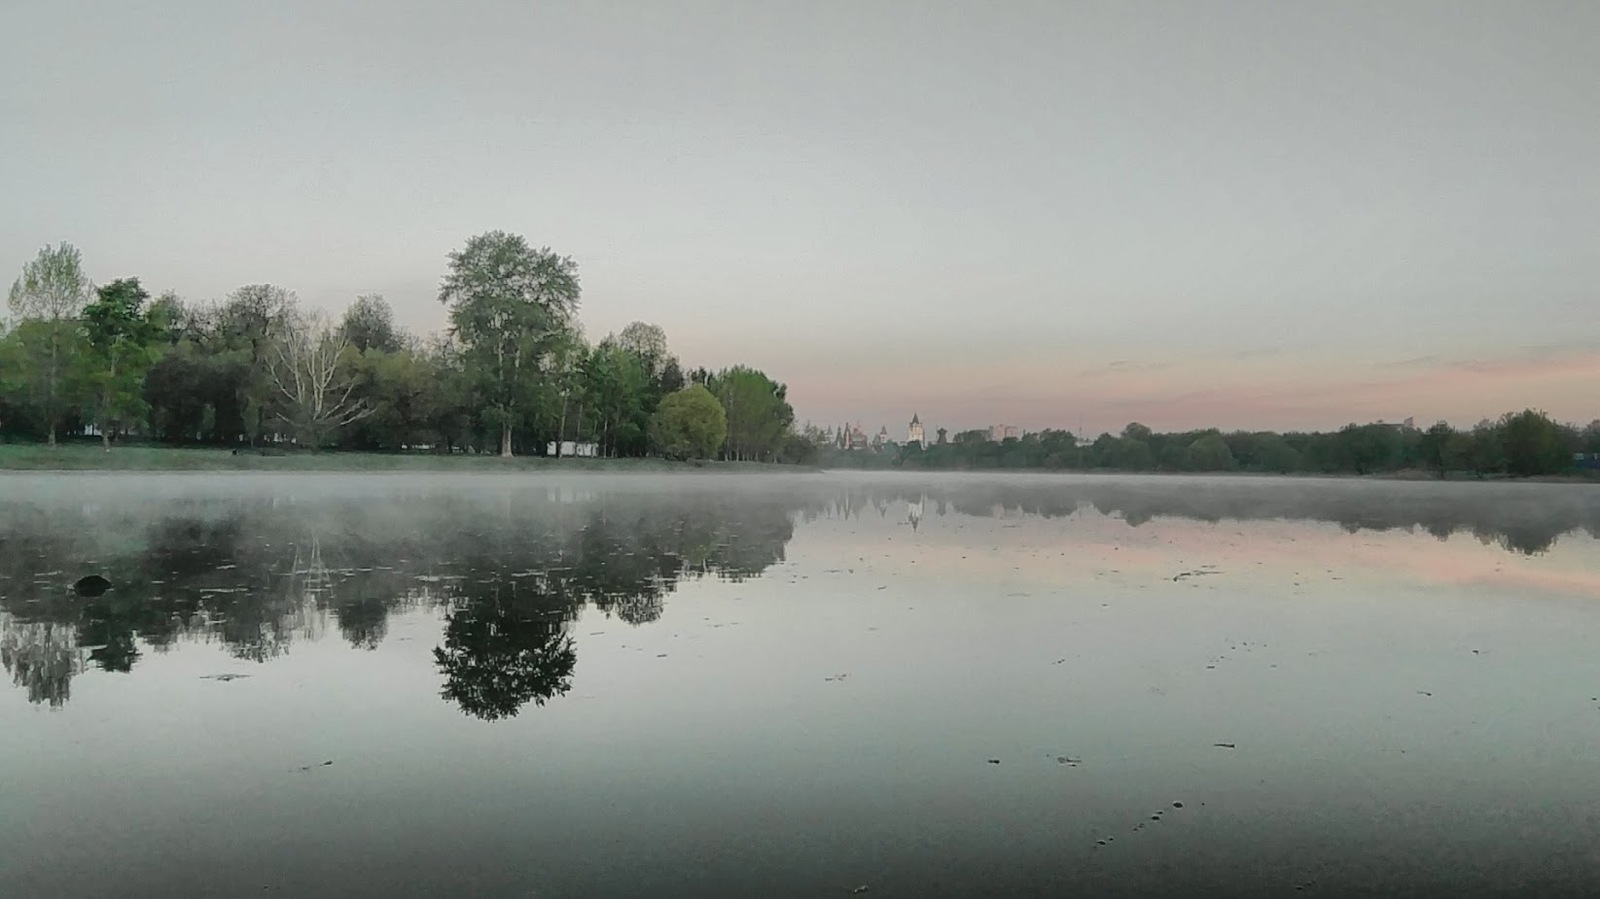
86,457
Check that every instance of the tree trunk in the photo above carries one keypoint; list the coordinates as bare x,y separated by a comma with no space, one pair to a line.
54,338
505,439
561,429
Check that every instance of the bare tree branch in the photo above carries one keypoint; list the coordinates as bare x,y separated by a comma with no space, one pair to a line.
316,389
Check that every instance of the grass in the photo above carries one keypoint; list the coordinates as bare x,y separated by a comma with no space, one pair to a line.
91,457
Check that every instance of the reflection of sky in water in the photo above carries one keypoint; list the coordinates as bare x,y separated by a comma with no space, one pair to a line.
1295,555
784,688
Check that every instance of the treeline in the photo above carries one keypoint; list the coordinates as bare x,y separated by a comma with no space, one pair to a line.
1518,444
513,373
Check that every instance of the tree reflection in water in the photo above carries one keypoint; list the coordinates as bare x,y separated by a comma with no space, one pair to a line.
513,569
260,574
499,654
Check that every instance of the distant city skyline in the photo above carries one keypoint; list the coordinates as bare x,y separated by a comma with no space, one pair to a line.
1228,214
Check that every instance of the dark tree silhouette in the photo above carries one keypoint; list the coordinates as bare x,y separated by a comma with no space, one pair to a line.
499,655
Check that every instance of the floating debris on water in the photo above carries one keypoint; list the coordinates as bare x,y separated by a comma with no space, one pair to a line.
91,585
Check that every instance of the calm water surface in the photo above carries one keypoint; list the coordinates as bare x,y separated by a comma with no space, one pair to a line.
797,686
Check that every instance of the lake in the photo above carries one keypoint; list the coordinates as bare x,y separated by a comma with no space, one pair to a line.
797,685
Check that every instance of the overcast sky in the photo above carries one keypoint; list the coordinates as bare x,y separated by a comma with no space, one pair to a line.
1045,214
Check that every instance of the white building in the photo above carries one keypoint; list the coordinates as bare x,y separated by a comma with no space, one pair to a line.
914,433
573,448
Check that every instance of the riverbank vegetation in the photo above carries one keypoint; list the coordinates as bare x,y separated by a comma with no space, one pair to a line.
1522,444
256,371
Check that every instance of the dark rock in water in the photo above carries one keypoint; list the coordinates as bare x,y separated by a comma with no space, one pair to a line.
93,585
1177,805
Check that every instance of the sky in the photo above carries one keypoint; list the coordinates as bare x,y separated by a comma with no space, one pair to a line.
1045,214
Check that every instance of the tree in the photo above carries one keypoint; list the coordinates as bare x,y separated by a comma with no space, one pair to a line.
1365,449
1533,444
1209,453
1134,455
123,340
615,386
50,292
369,324
244,351
402,389
649,343
759,414
508,305
1488,450
689,424
311,373
1136,431
1436,446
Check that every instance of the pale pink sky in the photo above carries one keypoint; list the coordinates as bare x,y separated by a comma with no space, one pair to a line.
1242,214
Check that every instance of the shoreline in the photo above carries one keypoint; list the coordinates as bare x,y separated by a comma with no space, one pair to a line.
74,459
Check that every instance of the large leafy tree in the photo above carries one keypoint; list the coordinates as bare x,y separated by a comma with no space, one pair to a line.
1533,444
369,325
246,329
616,386
689,424
510,305
758,411
124,338
49,293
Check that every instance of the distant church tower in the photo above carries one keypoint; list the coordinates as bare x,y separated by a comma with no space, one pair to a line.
914,433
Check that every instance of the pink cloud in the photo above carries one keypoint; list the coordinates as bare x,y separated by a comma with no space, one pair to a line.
1277,392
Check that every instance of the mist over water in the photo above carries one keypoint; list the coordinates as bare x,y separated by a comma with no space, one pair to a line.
797,685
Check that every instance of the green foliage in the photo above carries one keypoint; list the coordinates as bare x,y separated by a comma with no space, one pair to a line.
509,306
47,297
1209,453
369,325
615,386
244,329
513,370
1533,444
124,339
690,424
759,415
1524,444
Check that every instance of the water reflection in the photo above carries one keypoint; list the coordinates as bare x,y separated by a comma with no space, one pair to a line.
1523,518
260,574
261,569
